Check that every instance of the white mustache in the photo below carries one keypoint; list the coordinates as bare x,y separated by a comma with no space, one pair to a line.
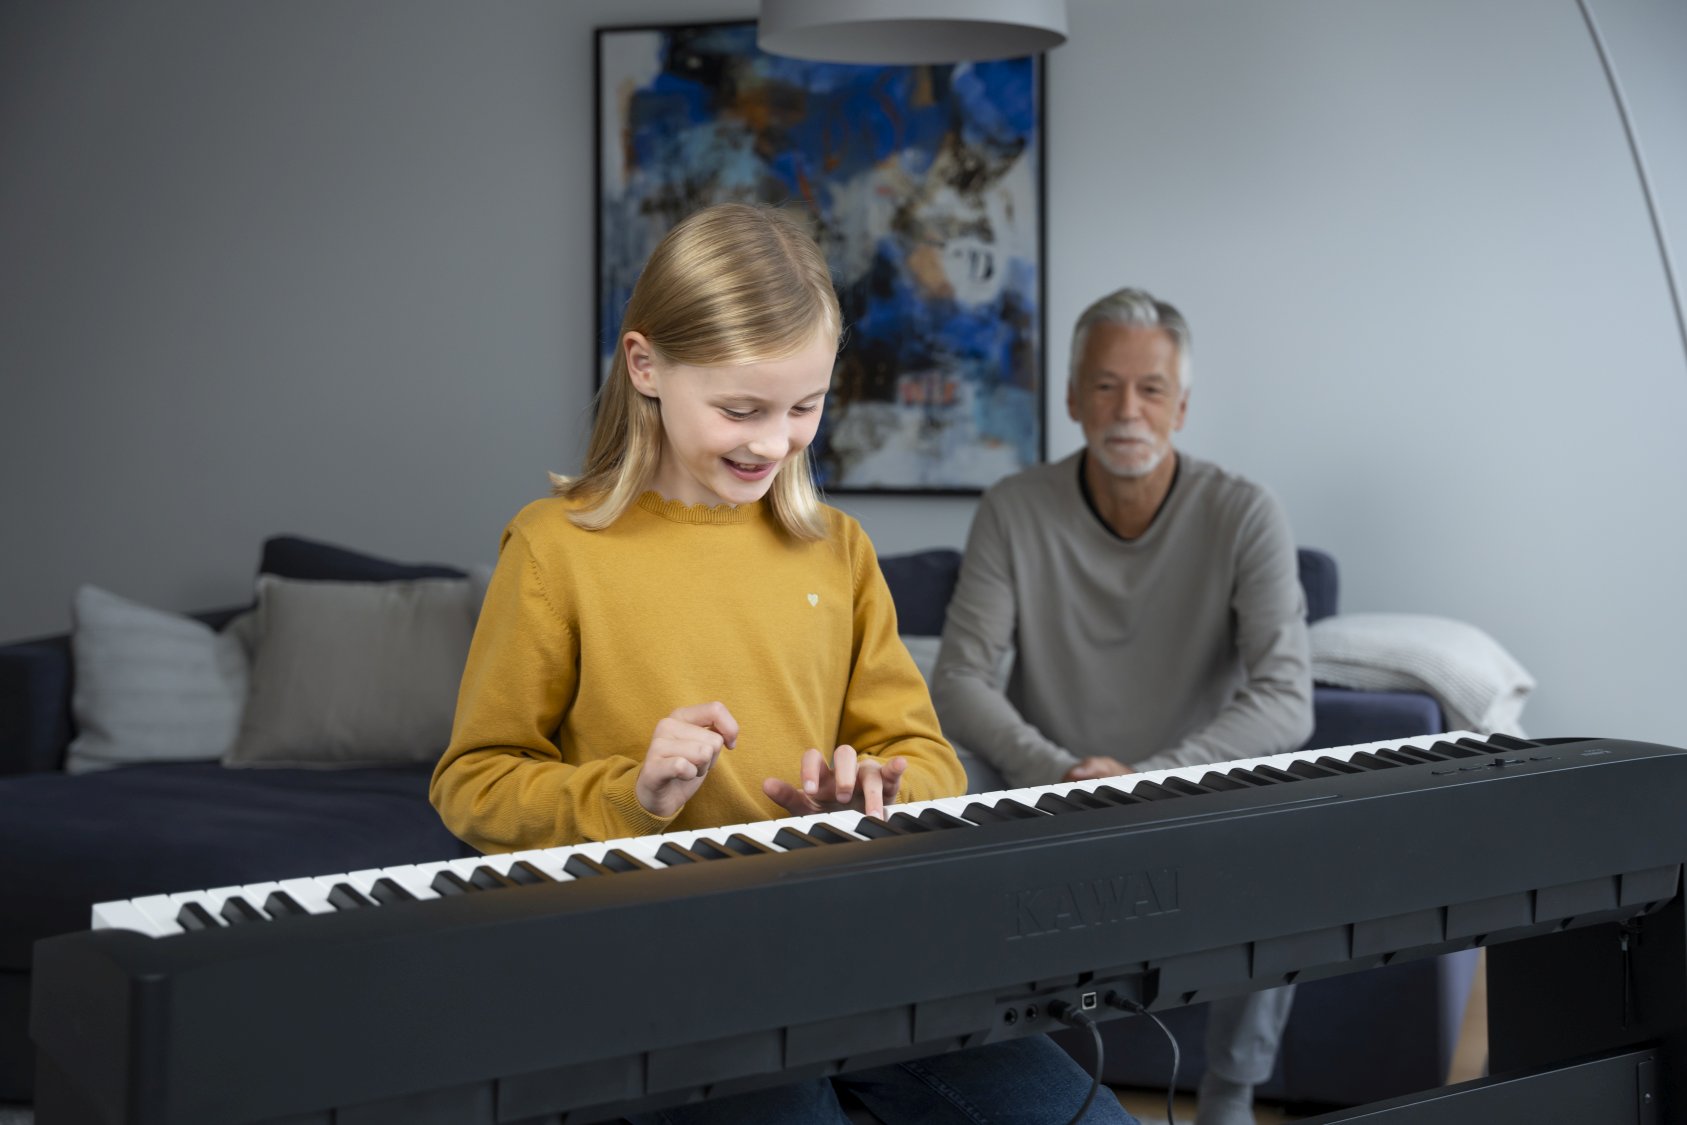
1129,433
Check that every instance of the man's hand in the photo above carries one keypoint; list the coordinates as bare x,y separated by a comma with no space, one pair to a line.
685,745
1088,769
850,782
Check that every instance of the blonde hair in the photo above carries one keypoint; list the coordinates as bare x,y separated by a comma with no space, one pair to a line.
734,283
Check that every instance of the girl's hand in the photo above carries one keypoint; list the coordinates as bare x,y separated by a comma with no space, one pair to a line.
685,745
849,783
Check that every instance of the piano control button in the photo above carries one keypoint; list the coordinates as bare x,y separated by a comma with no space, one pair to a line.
617,860
906,824
940,820
237,910
193,916
486,878
1336,765
791,839
344,896
1056,805
584,867
449,883
524,873
388,891
831,834
1113,795
280,904
747,845
1449,769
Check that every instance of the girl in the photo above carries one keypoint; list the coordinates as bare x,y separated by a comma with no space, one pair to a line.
672,640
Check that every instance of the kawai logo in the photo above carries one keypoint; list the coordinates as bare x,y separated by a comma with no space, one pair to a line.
1091,902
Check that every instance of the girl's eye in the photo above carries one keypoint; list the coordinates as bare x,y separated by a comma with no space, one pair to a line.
736,415
809,409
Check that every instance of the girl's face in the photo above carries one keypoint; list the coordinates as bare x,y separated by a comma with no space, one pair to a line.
726,431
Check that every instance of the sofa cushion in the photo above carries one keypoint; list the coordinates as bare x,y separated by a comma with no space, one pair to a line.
354,673
290,556
68,842
920,585
151,686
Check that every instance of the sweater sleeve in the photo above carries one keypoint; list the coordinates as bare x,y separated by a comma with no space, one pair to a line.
503,783
1271,712
887,709
978,630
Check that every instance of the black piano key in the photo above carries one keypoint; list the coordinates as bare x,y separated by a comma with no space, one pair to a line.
1113,795
193,916
1223,783
1084,799
584,867
1370,761
1456,750
827,834
791,839
1398,758
344,896
617,860
236,910
448,883
1509,742
1152,791
1336,765
527,875
1249,777
745,845
1017,810
388,892
906,823
875,829
1275,774
1184,786
708,849
938,819
980,813
486,878
1056,805
280,904
674,855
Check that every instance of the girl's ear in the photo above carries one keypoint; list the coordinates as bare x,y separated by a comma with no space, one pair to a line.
641,365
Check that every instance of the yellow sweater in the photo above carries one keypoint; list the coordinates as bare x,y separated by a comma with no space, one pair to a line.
588,638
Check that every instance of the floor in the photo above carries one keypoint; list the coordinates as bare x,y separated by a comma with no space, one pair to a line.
1470,1058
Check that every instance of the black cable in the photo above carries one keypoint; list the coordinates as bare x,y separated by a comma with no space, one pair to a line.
1071,1017
1125,1003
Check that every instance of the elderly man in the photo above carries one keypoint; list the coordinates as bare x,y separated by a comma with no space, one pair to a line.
1155,606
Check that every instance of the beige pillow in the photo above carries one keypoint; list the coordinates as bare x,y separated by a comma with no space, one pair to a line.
354,673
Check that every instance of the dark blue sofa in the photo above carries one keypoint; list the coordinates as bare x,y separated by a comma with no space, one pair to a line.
67,842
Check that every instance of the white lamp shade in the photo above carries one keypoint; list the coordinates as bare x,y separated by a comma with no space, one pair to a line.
905,32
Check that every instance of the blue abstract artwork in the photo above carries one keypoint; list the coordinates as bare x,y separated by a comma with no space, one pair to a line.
924,187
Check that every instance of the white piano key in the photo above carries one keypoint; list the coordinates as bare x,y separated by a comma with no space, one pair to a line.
122,916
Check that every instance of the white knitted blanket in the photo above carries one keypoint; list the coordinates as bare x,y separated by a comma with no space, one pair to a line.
1478,684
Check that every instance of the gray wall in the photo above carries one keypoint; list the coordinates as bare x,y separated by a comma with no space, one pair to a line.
326,268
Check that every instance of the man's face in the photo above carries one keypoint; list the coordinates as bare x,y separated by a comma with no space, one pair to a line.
1126,396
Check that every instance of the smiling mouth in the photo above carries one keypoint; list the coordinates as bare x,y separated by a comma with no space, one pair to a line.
756,470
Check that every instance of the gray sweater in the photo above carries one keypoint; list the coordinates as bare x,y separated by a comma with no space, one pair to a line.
1184,646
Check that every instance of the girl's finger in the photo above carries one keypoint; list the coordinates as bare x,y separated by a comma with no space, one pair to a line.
871,780
843,771
813,762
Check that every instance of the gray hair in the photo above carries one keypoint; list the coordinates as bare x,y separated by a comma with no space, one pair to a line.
1135,308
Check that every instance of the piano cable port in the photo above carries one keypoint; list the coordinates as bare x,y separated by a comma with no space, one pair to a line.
1076,1017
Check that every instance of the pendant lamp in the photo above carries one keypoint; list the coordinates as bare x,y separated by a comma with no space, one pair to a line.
905,32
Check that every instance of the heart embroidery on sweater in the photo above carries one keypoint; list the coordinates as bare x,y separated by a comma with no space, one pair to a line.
814,599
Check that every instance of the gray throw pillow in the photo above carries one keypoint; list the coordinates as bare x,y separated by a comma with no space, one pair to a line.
349,674
151,686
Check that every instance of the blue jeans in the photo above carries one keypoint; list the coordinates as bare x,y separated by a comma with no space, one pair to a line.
1027,1081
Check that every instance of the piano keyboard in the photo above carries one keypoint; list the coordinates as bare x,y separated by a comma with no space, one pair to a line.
163,915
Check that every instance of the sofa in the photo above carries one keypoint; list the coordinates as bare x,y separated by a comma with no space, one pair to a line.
69,840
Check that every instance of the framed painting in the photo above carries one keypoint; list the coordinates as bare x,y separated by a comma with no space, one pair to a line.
923,184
